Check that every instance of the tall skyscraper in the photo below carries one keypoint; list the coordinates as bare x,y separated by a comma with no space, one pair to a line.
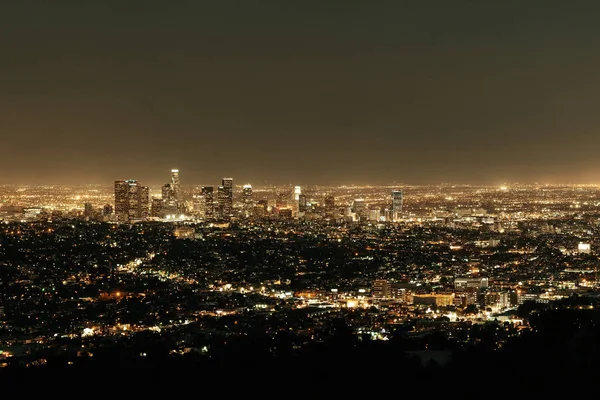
167,192
209,203
88,210
359,207
143,202
282,200
131,200
227,201
261,208
397,199
175,190
302,203
329,203
247,203
296,192
157,208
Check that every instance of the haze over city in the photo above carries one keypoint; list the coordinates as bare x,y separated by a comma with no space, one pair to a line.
299,92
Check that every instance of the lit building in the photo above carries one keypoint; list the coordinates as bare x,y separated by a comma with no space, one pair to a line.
497,299
247,203
157,209
175,189
329,203
381,289
285,213
438,299
282,200
167,193
131,200
225,197
584,248
397,199
261,208
209,203
222,198
88,210
199,205
107,210
296,192
359,207
302,204
374,214
184,232
470,283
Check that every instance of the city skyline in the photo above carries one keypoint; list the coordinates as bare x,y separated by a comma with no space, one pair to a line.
342,93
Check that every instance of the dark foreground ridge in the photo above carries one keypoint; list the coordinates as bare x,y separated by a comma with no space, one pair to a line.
561,351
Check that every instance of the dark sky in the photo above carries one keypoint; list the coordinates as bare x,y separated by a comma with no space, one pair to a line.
301,92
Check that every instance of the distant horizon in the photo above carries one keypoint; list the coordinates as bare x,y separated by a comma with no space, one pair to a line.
375,184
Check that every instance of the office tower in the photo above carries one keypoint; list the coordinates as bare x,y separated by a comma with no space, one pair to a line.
88,210
261,208
381,289
296,192
329,203
107,210
285,213
302,203
131,200
199,206
143,202
264,203
209,203
359,207
175,190
227,202
247,203
396,204
222,198
374,214
388,215
247,193
282,200
167,193
157,208
122,199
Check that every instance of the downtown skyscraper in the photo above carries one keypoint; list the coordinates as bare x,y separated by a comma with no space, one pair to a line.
131,200
397,199
225,197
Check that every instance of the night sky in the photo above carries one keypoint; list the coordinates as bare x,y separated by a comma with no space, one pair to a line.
300,92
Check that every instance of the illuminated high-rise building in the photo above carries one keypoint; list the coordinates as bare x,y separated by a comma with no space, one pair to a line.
359,207
143,202
225,196
167,192
296,192
302,203
397,199
380,289
282,200
261,208
175,190
209,204
247,203
264,203
157,208
131,200
88,210
107,210
329,203
199,206
222,200
374,214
